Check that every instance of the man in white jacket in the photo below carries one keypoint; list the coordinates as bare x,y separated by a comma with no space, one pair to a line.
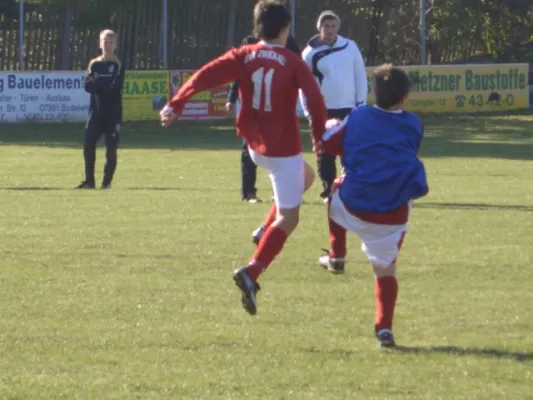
339,68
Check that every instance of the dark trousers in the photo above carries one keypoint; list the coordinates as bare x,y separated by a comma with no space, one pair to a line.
326,163
93,131
248,173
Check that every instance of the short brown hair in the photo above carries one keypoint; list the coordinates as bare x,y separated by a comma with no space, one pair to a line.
392,85
270,18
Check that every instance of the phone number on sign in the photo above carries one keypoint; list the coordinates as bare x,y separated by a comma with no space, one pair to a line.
39,117
480,100
47,108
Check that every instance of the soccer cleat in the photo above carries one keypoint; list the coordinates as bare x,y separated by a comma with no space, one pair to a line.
248,288
385,338
106,185
258,234
333,265
85,185
252,199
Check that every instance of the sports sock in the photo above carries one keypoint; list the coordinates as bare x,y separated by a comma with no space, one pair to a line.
269,247
386,291
337,240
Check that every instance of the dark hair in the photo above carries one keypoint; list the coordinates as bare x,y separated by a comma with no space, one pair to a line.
392,85
270,18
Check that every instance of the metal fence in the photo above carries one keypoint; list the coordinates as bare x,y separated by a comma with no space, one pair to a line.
183,34
64,37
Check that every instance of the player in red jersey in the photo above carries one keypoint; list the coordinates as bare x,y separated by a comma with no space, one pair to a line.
269,78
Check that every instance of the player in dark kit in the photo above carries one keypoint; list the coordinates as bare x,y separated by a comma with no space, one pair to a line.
269,78
104,81
248,168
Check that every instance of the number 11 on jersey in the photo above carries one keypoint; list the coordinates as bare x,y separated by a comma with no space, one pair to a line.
260,79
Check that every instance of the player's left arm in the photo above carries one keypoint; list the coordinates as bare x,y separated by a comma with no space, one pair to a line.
360,78
315,101
118,87
118,84
220,71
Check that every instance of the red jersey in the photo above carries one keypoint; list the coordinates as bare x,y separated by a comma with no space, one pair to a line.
269,78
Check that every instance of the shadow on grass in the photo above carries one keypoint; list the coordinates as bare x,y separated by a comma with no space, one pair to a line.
458,206
36,188
474,206
447,350
505,137
466,351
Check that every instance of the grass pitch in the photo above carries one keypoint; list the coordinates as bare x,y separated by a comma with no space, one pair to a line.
127,293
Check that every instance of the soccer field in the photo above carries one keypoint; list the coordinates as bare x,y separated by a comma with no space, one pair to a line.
128,293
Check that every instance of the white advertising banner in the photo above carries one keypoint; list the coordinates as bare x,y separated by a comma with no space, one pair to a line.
55,96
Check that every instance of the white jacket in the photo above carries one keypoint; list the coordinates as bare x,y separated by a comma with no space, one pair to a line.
339,70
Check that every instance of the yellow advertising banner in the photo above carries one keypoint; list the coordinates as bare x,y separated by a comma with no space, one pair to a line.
465,88
144,94
439,88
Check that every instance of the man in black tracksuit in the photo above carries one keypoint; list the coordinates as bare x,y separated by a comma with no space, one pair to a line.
248,168
104,82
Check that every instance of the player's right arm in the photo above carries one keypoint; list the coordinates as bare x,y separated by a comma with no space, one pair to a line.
220,71
90,82
96,84
315,101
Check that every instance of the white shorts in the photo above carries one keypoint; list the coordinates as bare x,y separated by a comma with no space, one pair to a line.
381,243
286,175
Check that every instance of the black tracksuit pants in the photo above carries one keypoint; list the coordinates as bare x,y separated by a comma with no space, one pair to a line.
248,173
93,131
326,163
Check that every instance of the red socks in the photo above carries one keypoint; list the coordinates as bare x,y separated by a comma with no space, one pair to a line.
269,247
337,240
386,289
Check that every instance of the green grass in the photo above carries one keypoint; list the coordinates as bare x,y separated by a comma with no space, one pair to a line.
127,294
